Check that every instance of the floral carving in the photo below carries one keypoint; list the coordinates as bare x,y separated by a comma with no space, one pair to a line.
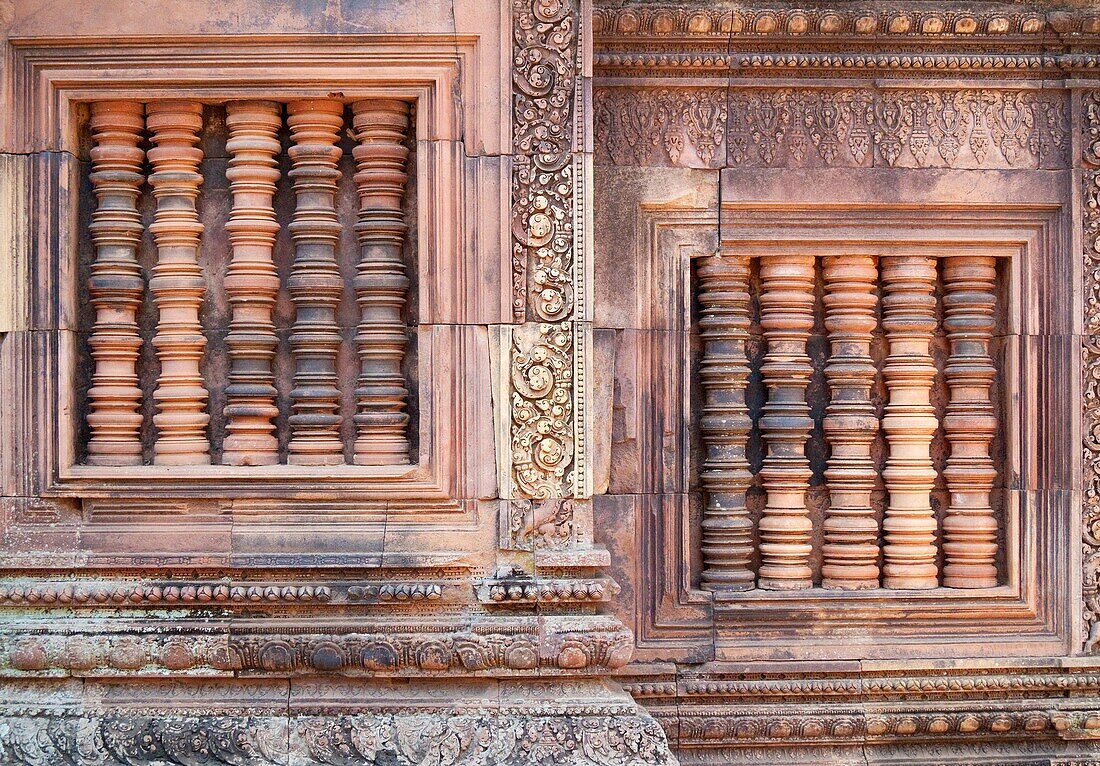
141,740
587,738
1091,362
544,71
542,409
544,78
542,231
848,127
598,645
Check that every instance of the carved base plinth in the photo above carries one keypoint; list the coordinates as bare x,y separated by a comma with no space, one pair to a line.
514,723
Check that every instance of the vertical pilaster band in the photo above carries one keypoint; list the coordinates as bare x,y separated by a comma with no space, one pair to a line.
727,543
315,284
909,318
177,284
787,317
116,284
252,283
381,286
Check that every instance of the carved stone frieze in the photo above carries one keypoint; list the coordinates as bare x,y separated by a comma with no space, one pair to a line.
572,644
943,22
847,127
468,739
1090,196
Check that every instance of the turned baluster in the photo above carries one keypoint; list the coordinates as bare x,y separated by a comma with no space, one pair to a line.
252,283
909,318
787,317
116,284
380,281
177,284
970,529
727,529
315,284
850,552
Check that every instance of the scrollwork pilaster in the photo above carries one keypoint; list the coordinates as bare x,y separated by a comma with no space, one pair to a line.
1090,240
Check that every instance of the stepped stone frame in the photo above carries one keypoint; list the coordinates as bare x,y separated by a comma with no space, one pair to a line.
528,590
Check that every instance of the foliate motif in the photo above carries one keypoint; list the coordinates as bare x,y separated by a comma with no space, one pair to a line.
142,740
544,72
544,77
757,20
678,126
542,410
1091,364
542,232
592,738
849,127
596,645
544,208
474,740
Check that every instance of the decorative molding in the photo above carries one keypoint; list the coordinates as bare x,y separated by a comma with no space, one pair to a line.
830,127
584,737
526,590
899,22
1090,218
175,593
589,644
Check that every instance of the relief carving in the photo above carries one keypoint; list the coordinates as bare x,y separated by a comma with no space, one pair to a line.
542,410
544,204
592,737
848,127
1090,195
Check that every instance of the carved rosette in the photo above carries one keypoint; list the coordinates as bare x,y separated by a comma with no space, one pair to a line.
851,532
909,318
116,285
787,317
970,528
315,283
381,127
178,284
1090,197
727,543
252,283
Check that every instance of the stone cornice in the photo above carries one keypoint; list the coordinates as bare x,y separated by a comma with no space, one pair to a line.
665,40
